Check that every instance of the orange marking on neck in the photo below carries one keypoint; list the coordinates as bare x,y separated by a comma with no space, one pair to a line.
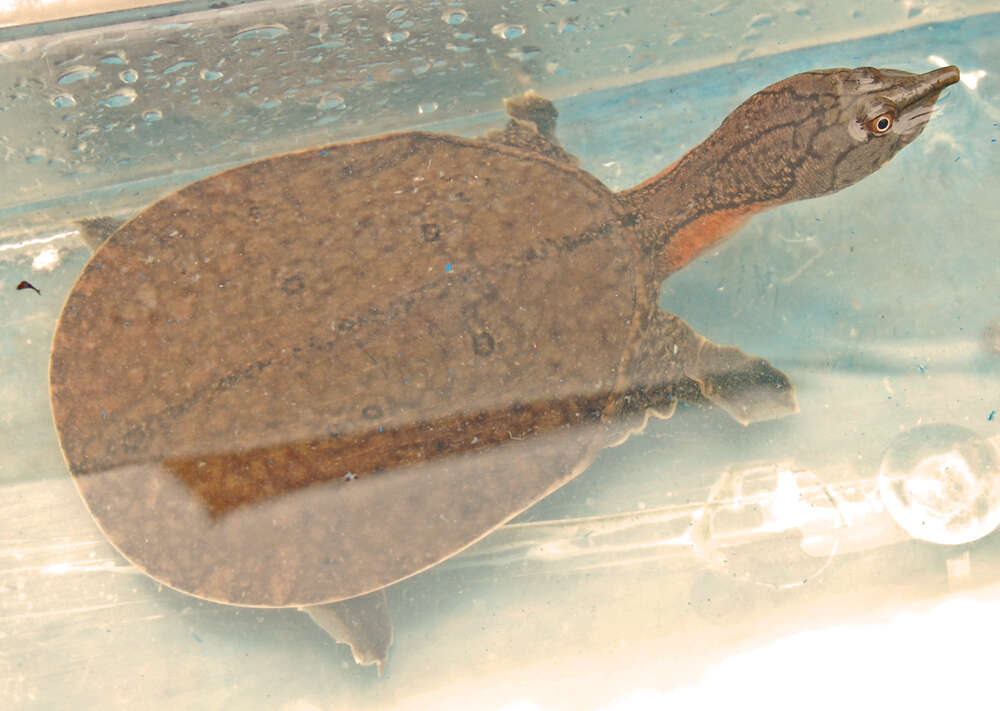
695,237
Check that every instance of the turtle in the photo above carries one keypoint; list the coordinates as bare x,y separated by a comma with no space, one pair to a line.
301,380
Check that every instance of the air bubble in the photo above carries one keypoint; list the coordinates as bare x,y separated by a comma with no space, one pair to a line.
941,483
210,75
63,101
397,36
428,107
396,13
152,116
129,76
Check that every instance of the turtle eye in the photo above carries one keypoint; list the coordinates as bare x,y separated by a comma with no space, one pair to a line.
881,124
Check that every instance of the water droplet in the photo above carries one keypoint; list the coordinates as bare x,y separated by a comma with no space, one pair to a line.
129,76
455,17
761,20
122,97
210,75
331,101
397,36
523,54
63,101
566,26
77,73
261,32
941,483
428,107
152,116
177,67
509,32
330,44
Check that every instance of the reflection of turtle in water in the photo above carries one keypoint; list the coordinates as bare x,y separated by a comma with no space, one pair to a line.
301,380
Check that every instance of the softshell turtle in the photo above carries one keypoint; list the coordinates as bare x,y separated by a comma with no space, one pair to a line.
299,381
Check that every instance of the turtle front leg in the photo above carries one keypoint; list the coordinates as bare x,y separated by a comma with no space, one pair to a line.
95,231
362,623
676,363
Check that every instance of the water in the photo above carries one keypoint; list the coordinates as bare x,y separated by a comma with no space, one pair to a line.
672,553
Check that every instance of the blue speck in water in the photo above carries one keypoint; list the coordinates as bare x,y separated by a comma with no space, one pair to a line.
447,267
993,414
196,637
324,152
104,413
381,428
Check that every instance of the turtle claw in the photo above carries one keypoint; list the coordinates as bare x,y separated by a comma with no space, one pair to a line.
747,387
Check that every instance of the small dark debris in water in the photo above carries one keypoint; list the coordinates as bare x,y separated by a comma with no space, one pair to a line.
27,285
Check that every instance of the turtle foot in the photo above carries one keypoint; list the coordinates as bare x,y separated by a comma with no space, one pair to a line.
362,623
531,127
747,387
532,108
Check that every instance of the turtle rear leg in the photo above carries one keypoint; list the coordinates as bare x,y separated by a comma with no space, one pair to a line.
676,363
362,623
531,127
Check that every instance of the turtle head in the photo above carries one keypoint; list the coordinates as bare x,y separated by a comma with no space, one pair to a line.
818,132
